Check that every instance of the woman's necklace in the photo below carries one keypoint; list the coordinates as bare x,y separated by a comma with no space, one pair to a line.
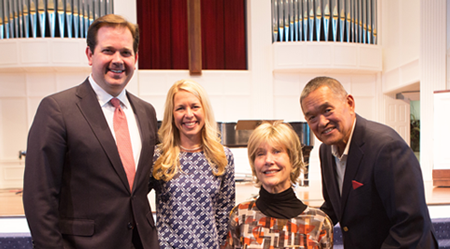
190,150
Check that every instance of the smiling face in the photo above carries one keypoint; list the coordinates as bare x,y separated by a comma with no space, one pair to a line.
329,116
113,59
272,167
188,116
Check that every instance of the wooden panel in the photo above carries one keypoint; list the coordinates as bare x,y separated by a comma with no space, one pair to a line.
194,37
441,177
441,183
441,173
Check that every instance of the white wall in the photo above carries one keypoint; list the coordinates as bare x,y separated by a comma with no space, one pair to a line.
400,39
258,93
30,70
261,92
433,74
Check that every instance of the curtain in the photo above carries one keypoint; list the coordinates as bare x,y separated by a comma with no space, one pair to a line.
164,36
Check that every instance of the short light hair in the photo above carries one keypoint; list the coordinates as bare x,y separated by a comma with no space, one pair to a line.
111,20
334,85
277,134
167,165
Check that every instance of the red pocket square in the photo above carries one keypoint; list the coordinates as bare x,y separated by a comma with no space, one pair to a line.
356,184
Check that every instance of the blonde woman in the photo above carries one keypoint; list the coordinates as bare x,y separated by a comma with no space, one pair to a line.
277,218
193,174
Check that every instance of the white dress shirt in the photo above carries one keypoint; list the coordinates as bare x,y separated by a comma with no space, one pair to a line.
341,160
108,110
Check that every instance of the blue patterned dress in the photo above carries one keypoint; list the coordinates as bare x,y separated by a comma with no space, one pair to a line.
192,209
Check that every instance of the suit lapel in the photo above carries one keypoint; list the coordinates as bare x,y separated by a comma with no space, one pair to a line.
355,156
330,178
89,106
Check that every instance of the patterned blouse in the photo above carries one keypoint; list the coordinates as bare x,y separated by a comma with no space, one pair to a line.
250,228
192,209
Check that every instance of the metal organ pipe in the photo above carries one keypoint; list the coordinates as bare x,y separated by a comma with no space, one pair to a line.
324,20
63,18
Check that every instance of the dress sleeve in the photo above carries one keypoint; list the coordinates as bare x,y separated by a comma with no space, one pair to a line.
326,233
233,235
226,199
152,180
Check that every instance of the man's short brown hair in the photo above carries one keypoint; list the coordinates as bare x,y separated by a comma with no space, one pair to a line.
111,20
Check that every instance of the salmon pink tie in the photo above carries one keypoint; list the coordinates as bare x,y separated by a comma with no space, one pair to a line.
123,141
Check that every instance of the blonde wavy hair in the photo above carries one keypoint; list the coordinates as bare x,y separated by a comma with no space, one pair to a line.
277,134
168,164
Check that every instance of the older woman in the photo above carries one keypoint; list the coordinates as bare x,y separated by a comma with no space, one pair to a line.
193,174
277,218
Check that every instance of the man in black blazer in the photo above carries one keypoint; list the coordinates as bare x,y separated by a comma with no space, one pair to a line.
371,180
76,192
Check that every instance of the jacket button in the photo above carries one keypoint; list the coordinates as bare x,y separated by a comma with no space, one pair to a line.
345,229
130,225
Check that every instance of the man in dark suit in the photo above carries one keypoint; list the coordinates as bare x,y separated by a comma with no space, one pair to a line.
77,193
371,180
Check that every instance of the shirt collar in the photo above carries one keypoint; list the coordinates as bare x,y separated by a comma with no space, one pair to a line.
334,149
104,97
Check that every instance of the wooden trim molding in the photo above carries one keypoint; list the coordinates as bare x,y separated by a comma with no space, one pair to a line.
194,37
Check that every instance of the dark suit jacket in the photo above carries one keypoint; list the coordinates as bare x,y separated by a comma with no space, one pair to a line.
389,209
76,193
